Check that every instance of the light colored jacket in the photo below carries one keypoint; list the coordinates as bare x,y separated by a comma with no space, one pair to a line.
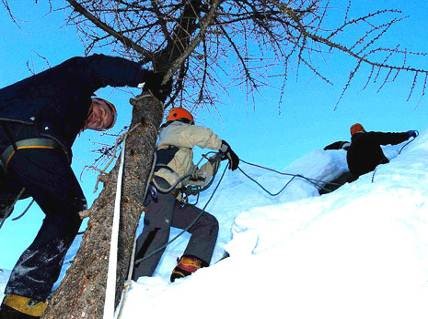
185,137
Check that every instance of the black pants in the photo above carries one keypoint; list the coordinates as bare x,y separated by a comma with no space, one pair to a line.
48,178
166,212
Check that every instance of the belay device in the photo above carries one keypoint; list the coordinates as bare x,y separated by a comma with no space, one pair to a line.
199,180
204,176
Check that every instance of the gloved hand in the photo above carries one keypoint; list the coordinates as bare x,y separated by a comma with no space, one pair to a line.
412,133
230,155
153,83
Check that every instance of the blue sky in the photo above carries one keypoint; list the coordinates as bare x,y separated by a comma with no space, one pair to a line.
259,132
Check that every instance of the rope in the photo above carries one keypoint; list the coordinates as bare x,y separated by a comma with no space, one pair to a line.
399,152
263,188
10,208
109,301
189,226
24,212
313,181
309,179
408,142
127,284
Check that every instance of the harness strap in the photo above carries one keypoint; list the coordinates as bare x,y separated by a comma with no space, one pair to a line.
28,143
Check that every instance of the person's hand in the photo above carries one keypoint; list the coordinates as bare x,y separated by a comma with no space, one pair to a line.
412,133
153,83
230,155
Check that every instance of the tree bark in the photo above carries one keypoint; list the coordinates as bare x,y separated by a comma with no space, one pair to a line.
82,292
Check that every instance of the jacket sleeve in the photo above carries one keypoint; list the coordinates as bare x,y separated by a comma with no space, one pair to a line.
388,138
192,135
98,70
339,145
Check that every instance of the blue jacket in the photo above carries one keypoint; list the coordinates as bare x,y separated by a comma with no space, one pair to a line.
57,100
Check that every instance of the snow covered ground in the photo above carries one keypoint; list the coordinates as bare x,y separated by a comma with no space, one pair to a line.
359,252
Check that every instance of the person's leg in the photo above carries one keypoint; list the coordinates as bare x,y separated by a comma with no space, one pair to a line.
203,232
47,176
157,222
203,228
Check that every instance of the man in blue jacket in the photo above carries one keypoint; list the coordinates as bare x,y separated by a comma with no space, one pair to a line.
40,117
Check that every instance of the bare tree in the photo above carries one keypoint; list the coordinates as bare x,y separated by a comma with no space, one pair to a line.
190,42
262,36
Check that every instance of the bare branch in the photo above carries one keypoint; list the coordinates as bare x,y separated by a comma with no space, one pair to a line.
126,41
201,34
9,12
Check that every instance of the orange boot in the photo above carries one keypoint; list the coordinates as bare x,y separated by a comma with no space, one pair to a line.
186,266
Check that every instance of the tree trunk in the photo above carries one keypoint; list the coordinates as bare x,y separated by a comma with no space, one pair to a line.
82,292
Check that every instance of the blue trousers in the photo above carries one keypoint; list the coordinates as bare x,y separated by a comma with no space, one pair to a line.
163,213
48,178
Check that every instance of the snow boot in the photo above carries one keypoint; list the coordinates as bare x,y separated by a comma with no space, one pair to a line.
20,307
186,266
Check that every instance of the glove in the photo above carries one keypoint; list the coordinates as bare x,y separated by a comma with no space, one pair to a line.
230,155
412,133
153,83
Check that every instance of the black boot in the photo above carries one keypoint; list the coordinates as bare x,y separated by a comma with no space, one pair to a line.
19,307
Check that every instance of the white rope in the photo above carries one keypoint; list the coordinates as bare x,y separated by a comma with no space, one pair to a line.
127,284
110,296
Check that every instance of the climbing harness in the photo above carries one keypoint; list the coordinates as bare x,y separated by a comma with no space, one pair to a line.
195,183
138,261
29,143
7,155
110,295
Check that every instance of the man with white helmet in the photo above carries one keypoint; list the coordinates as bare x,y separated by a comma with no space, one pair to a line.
40,118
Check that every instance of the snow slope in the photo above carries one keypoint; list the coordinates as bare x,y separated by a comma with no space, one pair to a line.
359,252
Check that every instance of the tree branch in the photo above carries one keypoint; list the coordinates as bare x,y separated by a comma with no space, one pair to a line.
103,26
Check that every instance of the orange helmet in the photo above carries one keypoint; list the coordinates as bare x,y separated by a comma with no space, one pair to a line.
357,127
180,114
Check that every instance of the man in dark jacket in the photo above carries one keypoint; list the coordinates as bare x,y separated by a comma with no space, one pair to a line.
365,153
40,117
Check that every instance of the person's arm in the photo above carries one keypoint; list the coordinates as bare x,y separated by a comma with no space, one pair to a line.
103,70
98,70
388,138
337,146
193,135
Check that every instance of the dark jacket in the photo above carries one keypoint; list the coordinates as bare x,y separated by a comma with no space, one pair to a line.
339,145
365,153
57,100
